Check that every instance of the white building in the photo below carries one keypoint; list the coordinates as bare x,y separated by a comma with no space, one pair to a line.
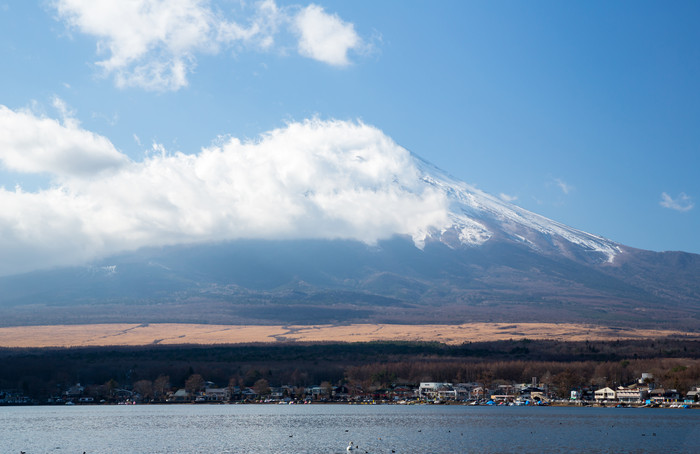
436,391
632,395
605,395
217,394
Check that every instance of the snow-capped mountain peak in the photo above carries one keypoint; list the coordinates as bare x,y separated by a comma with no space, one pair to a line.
477,217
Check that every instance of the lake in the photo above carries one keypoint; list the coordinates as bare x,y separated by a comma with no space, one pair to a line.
329,429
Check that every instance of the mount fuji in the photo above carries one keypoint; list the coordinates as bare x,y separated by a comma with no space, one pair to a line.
483,259
477,217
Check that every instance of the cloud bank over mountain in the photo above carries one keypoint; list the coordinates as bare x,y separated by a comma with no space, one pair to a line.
312,179
153,44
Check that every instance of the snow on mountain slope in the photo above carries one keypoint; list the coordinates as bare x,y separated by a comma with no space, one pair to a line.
477,217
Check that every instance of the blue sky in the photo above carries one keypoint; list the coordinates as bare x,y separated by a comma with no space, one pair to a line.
584,112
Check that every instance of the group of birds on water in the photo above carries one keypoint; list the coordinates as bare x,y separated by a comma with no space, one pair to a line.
352,447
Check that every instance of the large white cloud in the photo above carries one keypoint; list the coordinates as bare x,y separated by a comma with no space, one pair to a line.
32,144
311,179
153,44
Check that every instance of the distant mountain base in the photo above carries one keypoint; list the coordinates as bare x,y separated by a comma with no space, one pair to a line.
345,282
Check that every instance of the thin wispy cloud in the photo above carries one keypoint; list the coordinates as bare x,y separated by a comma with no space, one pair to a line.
313,179
66,113
154,44
564,186
507,198
683,202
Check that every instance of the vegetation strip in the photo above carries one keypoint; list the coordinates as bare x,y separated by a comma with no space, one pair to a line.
172,333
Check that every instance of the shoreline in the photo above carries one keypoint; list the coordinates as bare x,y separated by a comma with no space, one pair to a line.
678,406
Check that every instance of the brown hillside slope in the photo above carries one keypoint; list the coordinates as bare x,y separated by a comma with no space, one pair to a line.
168,333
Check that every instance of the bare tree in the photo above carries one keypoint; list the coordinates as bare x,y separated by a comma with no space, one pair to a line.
194,384
145,388
111,386
161,386
327,388
262,387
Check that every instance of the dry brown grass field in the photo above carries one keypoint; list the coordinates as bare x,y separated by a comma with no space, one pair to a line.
168,333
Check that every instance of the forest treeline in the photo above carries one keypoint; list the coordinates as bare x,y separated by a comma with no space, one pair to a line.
40,373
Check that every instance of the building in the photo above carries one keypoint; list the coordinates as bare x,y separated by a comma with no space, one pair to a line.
632,395
605,395
181,395
74,391
663,396
217,394
436,391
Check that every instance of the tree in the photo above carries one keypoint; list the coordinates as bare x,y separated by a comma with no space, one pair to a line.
251,377
145,388
232,384
262,387
111,386
299,378
566,381
194,384
327,388
161,386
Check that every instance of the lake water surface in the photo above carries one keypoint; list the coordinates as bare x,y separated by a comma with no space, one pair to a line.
329,429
